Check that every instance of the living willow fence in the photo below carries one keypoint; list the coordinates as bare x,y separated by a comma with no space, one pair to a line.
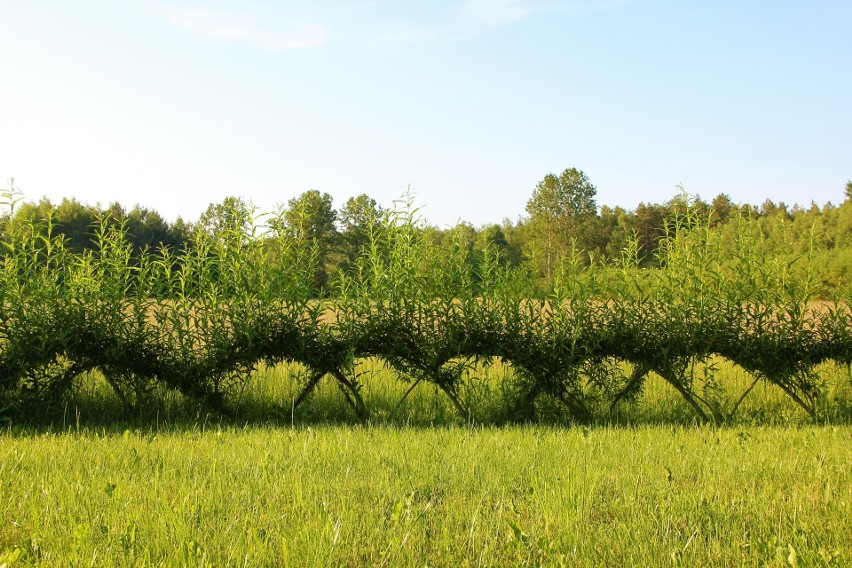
199,321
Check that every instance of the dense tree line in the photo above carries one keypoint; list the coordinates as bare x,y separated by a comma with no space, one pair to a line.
562,220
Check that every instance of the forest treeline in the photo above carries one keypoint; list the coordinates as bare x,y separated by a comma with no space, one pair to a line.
562,219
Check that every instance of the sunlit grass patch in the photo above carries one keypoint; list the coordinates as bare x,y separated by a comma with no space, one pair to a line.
339,495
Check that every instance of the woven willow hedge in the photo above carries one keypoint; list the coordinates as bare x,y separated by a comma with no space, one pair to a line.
200,320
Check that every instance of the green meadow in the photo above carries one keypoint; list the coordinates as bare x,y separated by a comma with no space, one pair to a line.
337,495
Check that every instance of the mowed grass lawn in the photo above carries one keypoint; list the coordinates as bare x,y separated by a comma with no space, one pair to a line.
444,496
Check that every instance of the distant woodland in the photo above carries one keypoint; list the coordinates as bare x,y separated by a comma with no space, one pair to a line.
562,219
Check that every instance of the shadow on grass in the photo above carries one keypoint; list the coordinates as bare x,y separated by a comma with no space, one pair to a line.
268,401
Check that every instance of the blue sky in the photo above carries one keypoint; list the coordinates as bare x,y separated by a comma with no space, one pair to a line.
175,105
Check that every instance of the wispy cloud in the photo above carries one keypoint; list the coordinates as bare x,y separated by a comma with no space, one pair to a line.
495,12
248,28
380,23
443,21
492,13
460,19
588,5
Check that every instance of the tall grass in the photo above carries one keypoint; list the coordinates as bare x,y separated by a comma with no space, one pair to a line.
342,496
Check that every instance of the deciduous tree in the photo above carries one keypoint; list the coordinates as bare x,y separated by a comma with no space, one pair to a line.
310,218
356,218
560,210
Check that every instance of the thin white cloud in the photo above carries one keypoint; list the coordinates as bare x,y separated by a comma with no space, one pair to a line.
247,28
447,22
466,18
495,12
380,22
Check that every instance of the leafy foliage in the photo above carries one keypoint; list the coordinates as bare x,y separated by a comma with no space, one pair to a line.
247,291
